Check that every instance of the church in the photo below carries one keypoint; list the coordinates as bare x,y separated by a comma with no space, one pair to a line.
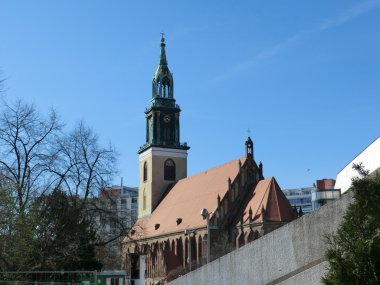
185,222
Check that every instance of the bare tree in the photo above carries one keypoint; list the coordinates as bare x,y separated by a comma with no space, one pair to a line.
83,167
25,141
37,159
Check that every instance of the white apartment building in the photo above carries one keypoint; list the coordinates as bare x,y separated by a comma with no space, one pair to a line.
370,159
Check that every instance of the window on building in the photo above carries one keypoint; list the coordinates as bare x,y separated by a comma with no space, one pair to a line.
169,170
145,171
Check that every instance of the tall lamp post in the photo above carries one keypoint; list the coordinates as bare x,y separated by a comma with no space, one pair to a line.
206,216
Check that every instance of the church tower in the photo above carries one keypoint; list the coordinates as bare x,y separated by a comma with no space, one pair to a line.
162,159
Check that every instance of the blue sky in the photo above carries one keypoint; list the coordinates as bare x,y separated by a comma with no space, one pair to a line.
302,76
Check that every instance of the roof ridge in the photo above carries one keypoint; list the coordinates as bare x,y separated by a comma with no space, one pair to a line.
268,192
211,169
275,193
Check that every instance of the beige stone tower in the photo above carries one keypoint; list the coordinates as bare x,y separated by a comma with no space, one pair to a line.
162,159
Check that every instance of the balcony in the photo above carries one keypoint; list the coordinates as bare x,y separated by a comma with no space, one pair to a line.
325,195
321,197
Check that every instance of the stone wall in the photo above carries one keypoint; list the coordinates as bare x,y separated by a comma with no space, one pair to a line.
292,254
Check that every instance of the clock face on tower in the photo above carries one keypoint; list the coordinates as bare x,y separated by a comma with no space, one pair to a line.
167,119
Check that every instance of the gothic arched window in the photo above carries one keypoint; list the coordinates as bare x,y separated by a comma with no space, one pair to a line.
169,170
145,172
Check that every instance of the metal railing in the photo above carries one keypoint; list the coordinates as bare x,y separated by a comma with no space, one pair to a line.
48,277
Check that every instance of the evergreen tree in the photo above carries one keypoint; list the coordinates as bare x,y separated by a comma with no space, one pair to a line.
65,235
354,251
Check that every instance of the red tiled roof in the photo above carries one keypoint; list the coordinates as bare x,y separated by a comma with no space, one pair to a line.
267,195
186,199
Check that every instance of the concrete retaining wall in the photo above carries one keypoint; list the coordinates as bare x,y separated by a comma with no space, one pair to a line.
308,276
292,254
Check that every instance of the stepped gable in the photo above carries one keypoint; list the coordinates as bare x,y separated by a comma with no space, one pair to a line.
185,201
267,203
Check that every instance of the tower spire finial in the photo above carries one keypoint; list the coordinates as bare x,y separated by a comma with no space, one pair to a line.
163,60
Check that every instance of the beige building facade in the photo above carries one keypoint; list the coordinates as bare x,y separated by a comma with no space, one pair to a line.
152,183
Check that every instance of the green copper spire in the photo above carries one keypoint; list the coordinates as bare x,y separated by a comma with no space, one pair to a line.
162,84
162,116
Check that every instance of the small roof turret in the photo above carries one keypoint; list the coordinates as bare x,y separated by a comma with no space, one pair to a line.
249,147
